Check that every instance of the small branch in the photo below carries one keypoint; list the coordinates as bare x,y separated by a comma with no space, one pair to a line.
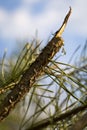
33,72
80,124
46,122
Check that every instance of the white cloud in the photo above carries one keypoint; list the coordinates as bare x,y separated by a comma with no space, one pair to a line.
30,1
79,18
3,17
22,24
16,24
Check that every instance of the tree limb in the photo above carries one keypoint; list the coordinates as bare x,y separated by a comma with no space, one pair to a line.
80,124
53,120
33,72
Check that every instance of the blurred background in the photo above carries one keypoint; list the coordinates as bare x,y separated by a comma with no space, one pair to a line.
22,21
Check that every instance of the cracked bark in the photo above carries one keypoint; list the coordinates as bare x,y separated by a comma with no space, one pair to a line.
33,72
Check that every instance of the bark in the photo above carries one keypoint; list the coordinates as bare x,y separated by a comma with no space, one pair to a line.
33,72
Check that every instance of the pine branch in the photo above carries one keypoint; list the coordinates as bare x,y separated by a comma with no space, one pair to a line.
53,120
80,124
33,72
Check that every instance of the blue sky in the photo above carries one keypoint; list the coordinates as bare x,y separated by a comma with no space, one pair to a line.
19,20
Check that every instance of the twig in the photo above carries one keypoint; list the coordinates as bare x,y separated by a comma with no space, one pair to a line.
46,122
33,72
80,124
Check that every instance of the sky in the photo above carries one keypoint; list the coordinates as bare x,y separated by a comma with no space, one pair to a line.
20,19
